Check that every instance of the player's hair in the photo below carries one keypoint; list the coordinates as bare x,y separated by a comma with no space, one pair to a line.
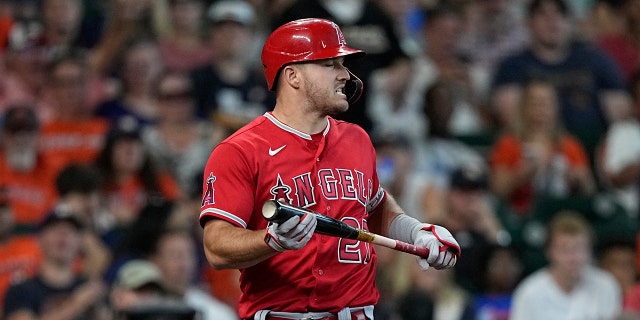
568,222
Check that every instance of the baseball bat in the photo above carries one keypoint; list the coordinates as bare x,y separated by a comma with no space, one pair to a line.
279,212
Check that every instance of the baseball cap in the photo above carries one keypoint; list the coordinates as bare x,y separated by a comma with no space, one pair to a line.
232,10
20,118
138,273
469,178
58,215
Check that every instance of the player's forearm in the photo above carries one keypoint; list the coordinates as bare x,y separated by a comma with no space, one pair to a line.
382,216
230,247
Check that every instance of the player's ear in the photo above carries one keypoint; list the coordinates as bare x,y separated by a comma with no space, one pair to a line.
291,75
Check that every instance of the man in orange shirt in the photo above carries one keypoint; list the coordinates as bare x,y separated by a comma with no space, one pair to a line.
28,175
73,132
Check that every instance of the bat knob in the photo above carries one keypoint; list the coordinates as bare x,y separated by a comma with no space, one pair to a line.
269,209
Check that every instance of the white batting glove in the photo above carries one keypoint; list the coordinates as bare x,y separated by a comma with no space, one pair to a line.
444,250
292,234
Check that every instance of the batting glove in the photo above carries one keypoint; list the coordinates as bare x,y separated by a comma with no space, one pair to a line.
292,234
444,250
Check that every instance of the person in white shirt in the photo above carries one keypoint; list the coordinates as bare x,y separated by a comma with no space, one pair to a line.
620,156
570,287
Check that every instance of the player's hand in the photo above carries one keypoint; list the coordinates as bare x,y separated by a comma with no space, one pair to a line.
444,250
292,234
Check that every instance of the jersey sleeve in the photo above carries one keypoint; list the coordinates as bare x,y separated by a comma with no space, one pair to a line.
228,190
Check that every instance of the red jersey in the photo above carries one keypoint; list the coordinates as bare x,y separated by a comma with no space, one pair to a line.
333,173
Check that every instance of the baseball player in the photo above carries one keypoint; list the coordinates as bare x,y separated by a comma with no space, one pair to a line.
299,154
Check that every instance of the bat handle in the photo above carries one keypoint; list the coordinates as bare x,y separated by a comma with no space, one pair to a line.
422,252
398,245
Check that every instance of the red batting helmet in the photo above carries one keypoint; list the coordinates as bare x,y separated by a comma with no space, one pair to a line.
304,40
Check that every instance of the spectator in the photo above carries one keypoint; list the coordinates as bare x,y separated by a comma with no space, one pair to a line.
175,256
231,90
57,290
63,25
441,60
617,255
124,20
139,293
590,86
493,30
132,180
569,287
185,48
439,152
24,61
394,106
179,141
73,132
622,43
78,189
434,294
539,157
498,273
6,22
19,254
366,26
141,64
137,240
24,170
406,17
394,159
465,208
619,156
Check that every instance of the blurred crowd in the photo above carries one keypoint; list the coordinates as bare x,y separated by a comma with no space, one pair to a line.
515,124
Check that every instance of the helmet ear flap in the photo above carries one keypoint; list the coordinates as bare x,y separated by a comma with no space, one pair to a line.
353,88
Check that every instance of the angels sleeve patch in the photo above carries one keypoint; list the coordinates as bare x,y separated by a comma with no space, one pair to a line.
208,197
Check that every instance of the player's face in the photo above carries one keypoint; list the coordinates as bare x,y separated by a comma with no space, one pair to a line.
324,84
